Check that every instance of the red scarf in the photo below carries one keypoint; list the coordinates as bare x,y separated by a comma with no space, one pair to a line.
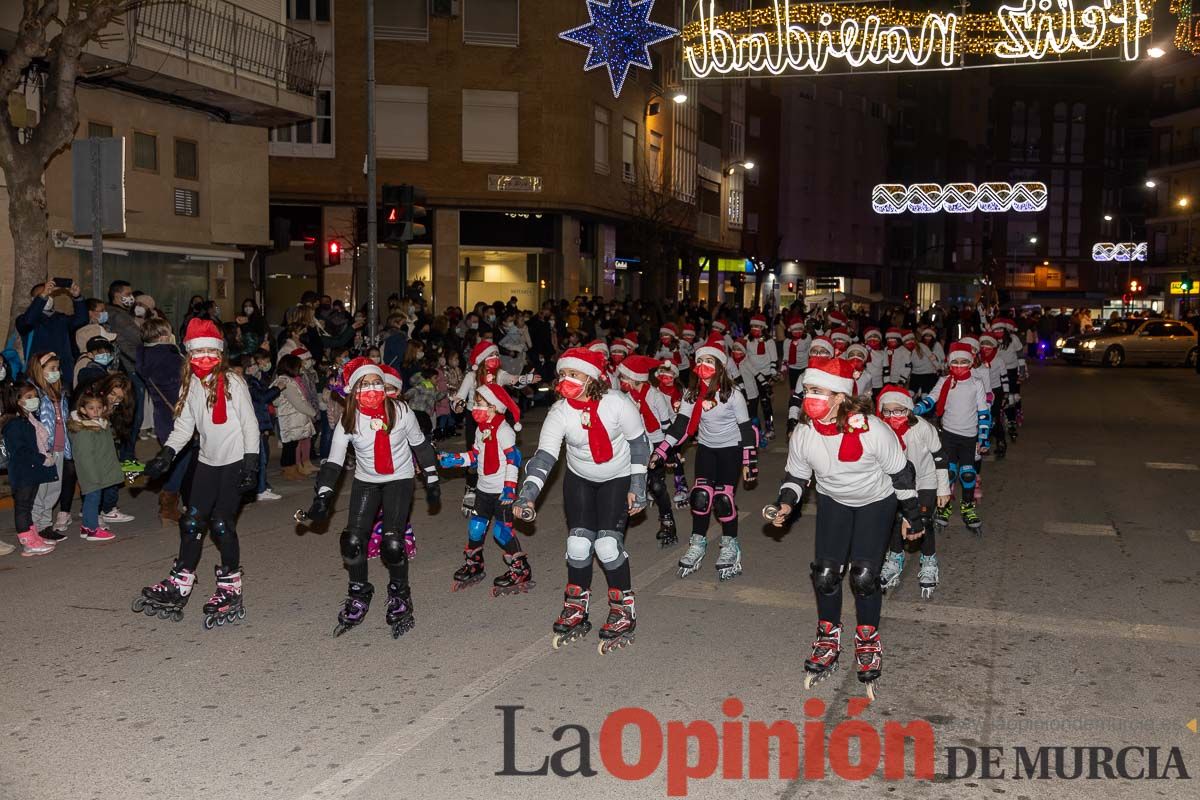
219,415
648,418
947,385
491,447
850,449
383,442
900,431
762,347
673,393
598,441
697,407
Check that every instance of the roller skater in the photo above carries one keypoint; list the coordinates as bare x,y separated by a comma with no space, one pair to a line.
605,482
923,448
762,356
669,349
215,402
168,597
861,475
666,378
494,458
897,360
873,339
795,352
998,390
387,438
225,605
960,401
617,631
1012,355
715,414
634,374
927,577
819,347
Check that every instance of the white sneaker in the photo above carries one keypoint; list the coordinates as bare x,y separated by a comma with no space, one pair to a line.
269,495
6,548
116,515
62,521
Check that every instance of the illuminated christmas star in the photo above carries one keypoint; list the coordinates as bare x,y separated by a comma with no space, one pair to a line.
619,36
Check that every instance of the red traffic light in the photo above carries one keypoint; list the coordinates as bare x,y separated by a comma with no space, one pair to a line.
1126,298
334,253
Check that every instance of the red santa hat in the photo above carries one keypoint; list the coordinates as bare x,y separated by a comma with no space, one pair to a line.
971,342
600,347
838,318
689,331
714,348
894,396
758,321
840,336
738,344
834,374
960,349
719,326
203,334
987,340
667,365
857,350
631,339
482,352
638,368
391,377
795,324
496,397
894,333
1004,323
872,333
619,345
908,336
822,341
669,330
359,368
581,359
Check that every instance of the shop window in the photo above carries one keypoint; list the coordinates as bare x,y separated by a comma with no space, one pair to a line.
491,22
490,127
601,140
187,160
629,151
402,20
402,122
145,151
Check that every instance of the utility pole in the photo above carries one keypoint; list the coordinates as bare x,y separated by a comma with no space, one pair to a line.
372,210
97,219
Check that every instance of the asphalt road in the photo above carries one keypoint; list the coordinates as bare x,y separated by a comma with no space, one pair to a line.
1072,622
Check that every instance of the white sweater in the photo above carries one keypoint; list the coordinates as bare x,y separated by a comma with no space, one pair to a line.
897,365
922,441
963,405
797,359
220,445
720,426
493,482
405,435
622,421
851,483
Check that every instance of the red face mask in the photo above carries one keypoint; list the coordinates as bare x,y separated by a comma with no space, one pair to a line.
858,364
840,347
960,372
910,345
738,357
898,424
492,364
482,416
816,407
797,334
666,381
689,337
874,344
666,340
371,400
203,365
617,358
626,387
892,344
987,353
755,333
570,388
706,371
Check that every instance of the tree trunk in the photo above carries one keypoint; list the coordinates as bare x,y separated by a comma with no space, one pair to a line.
30,225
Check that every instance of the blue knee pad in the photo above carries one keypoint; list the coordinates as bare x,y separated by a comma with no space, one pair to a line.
952,469
477,529
967,477
502,532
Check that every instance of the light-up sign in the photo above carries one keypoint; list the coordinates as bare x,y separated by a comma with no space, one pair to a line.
787,37
958,198
1119,251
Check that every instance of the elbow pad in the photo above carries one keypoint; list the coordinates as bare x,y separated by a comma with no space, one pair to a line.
791,489
327,477
749,435
426,457
905,482
537,472
639,454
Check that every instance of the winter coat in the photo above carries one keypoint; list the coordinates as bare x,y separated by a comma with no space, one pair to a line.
96,462
46,417
129,335
161,368
296,414
26,464
52,334
262,397
87,372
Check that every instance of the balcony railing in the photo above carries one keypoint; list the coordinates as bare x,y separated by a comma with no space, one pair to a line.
226,34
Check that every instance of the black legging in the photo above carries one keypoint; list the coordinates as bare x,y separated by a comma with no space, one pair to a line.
927,498
67,494
720,467
922,384
858,535
596,506
656,486
213,502
999,430
365,498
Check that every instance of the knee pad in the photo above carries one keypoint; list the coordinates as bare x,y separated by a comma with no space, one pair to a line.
724,508
391,550
864,580
579,547
221,528
952,471
701,498
353,546
826,576
656,481
477,528
967,477
610,549
192,525
502,532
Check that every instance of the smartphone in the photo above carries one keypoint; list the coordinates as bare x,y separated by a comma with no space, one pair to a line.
63,283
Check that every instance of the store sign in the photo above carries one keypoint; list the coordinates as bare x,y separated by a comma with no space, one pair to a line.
1120,251
959,198
514,183
788,37
1177,288
627,264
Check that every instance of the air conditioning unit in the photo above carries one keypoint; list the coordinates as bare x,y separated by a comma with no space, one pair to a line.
443,8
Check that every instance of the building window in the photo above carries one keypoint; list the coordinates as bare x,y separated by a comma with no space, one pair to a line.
655,166
710,199
99,130
312,137
755,126
187,160
402,117
601,140
710,126
402,20
490,127
629,151
145,151
492,22
324,119
751,222
187,203
310,10
737,140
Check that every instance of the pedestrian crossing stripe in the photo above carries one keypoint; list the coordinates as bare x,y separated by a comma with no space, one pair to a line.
1079,529
1175,465
1071,462
1194,536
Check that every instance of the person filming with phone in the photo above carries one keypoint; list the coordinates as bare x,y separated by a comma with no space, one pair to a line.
55,311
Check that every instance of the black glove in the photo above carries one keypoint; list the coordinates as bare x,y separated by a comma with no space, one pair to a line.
433,493
791,426
159,465
319,509
249,481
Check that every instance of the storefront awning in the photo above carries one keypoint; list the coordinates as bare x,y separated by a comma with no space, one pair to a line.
121,247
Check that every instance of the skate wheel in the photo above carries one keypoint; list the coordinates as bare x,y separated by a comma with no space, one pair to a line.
810,680
176,616
209,622
163,613
241,613
138,604
339,629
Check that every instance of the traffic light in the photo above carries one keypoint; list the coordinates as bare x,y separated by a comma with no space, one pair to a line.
1127,298
791,287
312,249
392,213
333,254
1134,286
1185,284
413,201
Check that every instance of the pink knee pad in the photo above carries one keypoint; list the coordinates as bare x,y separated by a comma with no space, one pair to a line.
724,508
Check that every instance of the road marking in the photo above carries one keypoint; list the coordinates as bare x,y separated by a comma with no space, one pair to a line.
1071,462
1079,529
387,752
1173,465
937,613
1194,536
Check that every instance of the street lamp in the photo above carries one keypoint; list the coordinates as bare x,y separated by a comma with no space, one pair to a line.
1184,202
1156,52
1033,240
730,169
680,97
1108,217
1151,183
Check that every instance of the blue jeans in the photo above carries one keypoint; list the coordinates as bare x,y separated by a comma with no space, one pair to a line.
179,470
91,509
263,455
139,411
108,497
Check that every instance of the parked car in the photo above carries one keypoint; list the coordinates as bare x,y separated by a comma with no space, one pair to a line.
1151,341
